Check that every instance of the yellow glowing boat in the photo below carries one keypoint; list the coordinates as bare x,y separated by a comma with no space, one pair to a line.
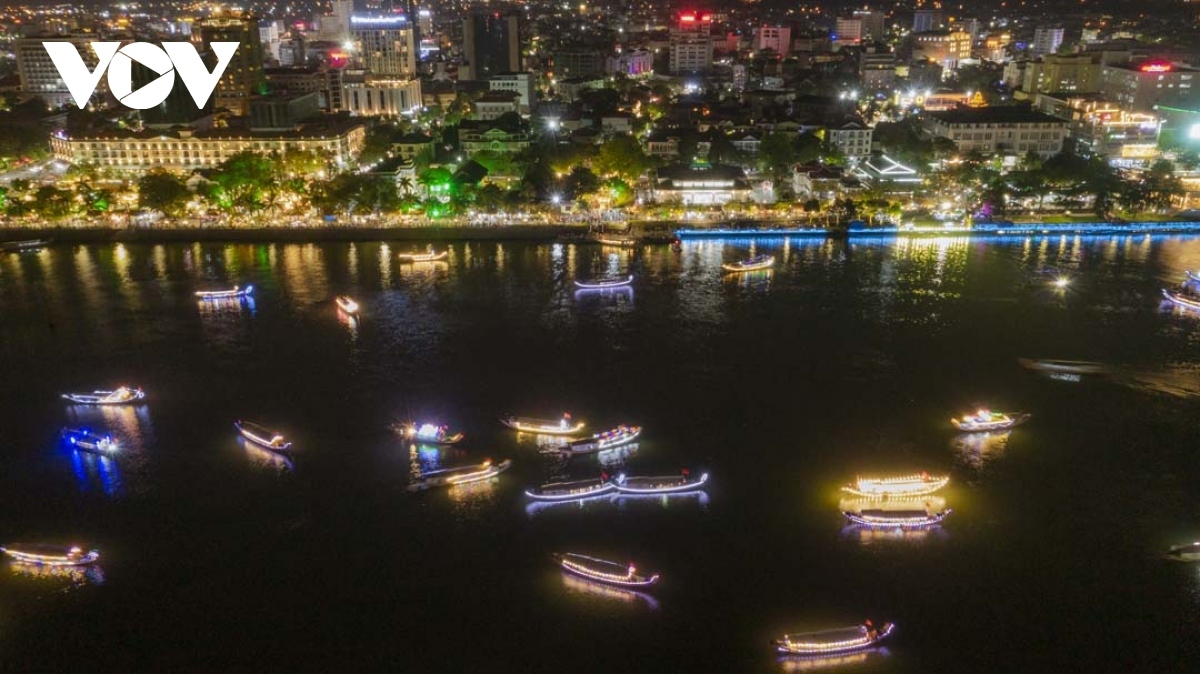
756,263
828,642
50,555
121,396
907,485
450,477
604,571
986,420
346,304
262,436
564,426
423,257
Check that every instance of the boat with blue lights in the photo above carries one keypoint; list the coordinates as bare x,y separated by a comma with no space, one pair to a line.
262,436
346,304
449,477
50,555
605,284
834,641
919,484
572,491
604,571
82,438
237,292
564,426
756,263
430,434
1189,552
122,396
666,484
987,420
1185,300
610,439
1194,277
896,519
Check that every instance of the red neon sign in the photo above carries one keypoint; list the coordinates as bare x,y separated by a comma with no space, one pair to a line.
1156,67
687,18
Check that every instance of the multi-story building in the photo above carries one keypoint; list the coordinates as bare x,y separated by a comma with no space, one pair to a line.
489,136
848,31
243,77
1062,73
1139,87
570,63
691,47
700,184
944,47
1101,126
877,70
271,34
523,84
852,139
384,46
491,45
375,97
280,112
1046,41
872,24
493,104
925,20
775,38
632,63
38,74
999,130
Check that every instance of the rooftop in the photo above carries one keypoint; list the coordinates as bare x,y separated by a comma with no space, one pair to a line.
993,115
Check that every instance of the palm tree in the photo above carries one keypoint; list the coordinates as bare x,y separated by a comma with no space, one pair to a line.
406,184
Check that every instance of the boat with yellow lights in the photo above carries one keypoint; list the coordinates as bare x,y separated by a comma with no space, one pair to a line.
449,477
237,292
1189,552
262,436
666,484
987,420
346,304
621,435
564,426
756,263
878,518
430,434
50,555
604,571
919,484
83,439
23,246
829,642
572,491
1185,300
428,256
121,396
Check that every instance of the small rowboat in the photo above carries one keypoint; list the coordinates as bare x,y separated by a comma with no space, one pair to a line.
1180,299
755,263
571,491
669,484
346,304
262,436
605,285
986,420
423,257
603,571
430,434
621,435
121,396
616,241
1063,366
87,441
50,555
461,475
563,426
830,642
236,293
1185,553
29,244
907,485
897,519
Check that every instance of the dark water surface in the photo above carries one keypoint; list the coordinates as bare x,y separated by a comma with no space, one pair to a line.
848,358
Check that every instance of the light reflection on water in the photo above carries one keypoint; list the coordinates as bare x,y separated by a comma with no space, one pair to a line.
584,587
267,459
797,663
73,576
977,450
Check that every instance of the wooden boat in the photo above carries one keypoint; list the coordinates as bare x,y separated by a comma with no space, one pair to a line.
603,571
897,519
906,485
1180,299
121,396
87,441
1063,366
449,477
563,426
605,285
28,244
668,484
986,420
829,642
262,436
756,263
429,256
346,304
236,292
430,434
50,555
1189,552
571,491
621,435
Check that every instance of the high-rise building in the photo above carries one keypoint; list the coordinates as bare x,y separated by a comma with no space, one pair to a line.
1046,41
1140,87
491,44
775,38
944,47
691,43
848,31
243,77
271,34
872,24
383,45
336,25
39,76
570,63
925,20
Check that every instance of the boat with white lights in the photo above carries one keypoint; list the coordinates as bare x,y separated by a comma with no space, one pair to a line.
572,491
1189,552
28,244
449,477
262,436
1063,366
897,519
82,438
987,420
346,304
50,555
564,426
428,256
121,396
1193,276
666,484
619,241
604,571
756,263
605,285
234,293
430,434
1182,299
918,484
610,439
827,642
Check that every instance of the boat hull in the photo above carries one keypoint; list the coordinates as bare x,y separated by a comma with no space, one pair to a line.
413,258
540,427
461,476
604,285
896,521
757,266
599,445
1179,300
583,567
623,485
883,489
347,305
542,494
255,435
63,558
1193,276
87,442
236,293
1013,421
102,398
818,648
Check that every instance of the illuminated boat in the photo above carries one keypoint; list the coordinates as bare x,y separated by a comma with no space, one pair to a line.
756,263
346,304
668,484
1063,366
827,642
906,485
84,439
235,293
986,420
605,285
1180,299
1185,553
29,244
571,491
461,475
50,555
262,436
1193,276
897,519
621,435
430,434
603,571
563,426
121,396
429,256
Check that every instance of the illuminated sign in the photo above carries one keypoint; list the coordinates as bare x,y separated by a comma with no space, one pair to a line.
1156,67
